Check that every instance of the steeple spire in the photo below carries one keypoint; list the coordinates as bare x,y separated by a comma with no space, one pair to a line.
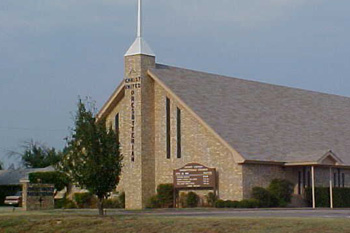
139,19
140,46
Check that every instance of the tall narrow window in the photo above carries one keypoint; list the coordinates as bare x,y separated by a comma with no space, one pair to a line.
178,121
335,179
339,182
168,145
116,127
299,183
343,180
308,179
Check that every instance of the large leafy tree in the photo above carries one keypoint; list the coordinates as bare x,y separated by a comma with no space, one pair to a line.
37,155
92,161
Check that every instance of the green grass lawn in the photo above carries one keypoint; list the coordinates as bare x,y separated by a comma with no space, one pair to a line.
34,222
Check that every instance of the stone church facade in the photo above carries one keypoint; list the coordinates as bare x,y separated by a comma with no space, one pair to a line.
250,132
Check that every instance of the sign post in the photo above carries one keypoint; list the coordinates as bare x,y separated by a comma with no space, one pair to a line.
194,176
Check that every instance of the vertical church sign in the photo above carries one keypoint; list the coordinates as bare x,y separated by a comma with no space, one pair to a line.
195,176
132,84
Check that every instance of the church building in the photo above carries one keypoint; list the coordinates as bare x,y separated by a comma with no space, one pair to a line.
249,132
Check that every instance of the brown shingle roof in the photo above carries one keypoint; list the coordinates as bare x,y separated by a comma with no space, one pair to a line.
262,121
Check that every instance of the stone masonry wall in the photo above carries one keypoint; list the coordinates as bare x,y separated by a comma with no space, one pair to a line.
120,109
198,145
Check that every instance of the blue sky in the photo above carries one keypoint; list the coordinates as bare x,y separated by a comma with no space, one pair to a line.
53,51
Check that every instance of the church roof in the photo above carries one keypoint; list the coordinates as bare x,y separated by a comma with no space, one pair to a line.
264,122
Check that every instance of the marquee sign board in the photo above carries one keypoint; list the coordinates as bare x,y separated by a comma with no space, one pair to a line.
195,176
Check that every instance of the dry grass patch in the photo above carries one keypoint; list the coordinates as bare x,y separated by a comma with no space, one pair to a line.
149,224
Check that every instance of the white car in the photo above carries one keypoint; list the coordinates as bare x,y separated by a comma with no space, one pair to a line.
15,200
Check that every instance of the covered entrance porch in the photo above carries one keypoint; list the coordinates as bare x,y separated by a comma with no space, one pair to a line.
327,172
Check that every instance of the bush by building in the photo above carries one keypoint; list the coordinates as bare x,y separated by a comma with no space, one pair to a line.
163,198
85,200
192,200
282,190
341,197
165,195
247,203
121,199
65,203
278,194
116,202
265,198
211,199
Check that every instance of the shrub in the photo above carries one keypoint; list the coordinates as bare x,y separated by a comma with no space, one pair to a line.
59,203
64,203
341,197
265,198
183,200
165,195
231,204
121,199
211,199
58,179
112,203
83,200
163,199
220,203
69,204
192,200
282,190
115,203
249,203
153,202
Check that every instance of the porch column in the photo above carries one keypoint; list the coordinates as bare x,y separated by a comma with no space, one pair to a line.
330,188
313,187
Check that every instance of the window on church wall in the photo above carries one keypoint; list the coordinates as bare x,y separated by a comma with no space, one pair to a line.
308,179
299,182
168,136
339,181
335,179
116,127
178,122
304,177
343,180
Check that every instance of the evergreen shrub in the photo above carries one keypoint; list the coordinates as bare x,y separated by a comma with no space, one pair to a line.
341,197
163,198
282,190
192,200
165,195
265,198
211,199
84,200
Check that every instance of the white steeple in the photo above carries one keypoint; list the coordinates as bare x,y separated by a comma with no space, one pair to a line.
140,46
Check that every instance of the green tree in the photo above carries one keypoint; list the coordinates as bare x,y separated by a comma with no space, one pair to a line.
1,166
92,161
37,155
